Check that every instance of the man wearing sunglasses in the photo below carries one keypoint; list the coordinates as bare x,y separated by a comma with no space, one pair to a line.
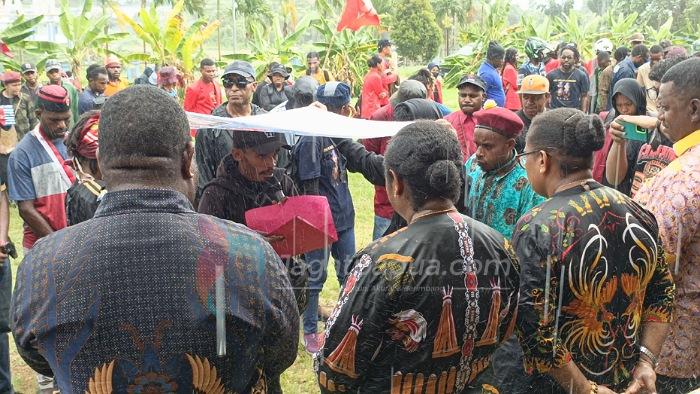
212,145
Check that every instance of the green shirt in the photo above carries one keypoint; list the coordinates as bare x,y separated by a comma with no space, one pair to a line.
73,94
499,200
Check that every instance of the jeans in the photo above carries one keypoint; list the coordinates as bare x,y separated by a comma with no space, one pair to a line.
5,294
380,226
342,251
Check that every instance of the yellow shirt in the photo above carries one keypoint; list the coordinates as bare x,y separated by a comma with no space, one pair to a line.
114,87
320,76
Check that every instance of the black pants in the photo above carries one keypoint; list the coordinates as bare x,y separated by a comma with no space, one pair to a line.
667,385
3,167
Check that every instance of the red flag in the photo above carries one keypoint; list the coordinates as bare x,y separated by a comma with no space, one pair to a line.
358,13
5,49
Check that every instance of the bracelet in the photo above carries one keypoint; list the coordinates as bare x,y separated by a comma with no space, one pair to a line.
643,350
594,387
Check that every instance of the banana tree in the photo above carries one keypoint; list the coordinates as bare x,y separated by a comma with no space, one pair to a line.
16,35
280,48
582,31
173,43
85,34
345,53
621,25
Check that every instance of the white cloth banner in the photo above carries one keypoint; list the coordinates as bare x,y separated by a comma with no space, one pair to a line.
309,121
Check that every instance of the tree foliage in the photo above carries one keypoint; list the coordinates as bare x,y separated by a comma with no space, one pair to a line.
175,42
416,31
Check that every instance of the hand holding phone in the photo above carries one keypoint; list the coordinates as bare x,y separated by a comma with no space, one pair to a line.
634,132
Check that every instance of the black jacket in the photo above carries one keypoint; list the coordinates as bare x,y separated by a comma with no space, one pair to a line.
371,166
230,195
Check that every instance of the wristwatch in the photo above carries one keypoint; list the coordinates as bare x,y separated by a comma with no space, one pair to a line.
643,350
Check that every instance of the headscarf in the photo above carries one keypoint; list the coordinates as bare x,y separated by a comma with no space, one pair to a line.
88,143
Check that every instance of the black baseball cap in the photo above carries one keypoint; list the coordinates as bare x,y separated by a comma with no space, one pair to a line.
262,142
241,68
27,67
472,80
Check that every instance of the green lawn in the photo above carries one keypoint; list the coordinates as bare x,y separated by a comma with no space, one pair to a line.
297,379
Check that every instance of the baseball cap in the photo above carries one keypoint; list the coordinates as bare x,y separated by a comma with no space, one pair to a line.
281,70
534,84
262,142
241,68
27,67
305,86
53,64
472,80
335,94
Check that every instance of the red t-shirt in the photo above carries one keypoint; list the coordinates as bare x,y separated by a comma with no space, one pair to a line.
382,206
374,94
551,65
202,97
510,87
464,125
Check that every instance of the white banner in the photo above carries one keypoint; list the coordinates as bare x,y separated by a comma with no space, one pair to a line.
309,121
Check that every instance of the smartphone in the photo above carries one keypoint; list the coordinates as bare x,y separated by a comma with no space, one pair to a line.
634,132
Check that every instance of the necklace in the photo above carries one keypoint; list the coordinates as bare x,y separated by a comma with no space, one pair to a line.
429,213
569,185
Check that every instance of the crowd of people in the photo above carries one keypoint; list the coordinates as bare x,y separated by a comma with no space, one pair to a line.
544,237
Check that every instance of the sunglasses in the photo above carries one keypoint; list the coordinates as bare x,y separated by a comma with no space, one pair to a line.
241,83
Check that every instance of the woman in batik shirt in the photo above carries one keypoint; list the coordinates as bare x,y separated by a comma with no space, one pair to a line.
596,294
425,307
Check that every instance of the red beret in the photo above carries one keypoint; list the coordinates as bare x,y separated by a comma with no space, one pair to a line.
500,120
54,94
11,76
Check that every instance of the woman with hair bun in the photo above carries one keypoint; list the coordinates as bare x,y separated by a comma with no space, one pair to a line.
425,307
596,294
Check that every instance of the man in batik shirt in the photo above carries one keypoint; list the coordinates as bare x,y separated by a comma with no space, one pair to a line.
424,307
498,190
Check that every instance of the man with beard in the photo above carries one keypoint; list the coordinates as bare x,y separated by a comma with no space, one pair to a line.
471,97
534,96
498,192
249,178
568,84
39,177
213,144
114,70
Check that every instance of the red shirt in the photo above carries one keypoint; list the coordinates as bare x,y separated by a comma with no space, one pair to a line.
202,97
464,125
551,65
374,94
382,206
510,87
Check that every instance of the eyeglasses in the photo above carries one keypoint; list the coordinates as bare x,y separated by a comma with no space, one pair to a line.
521,158
241,83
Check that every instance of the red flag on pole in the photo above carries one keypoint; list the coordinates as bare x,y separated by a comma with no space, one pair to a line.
358,13
5,49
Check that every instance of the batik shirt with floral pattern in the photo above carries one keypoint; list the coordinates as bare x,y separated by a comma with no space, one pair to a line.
593,272
422,311
673,196
499,199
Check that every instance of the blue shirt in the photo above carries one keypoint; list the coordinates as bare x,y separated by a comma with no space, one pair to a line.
625,69
499,200
494,84
86,101
127,299
317,157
